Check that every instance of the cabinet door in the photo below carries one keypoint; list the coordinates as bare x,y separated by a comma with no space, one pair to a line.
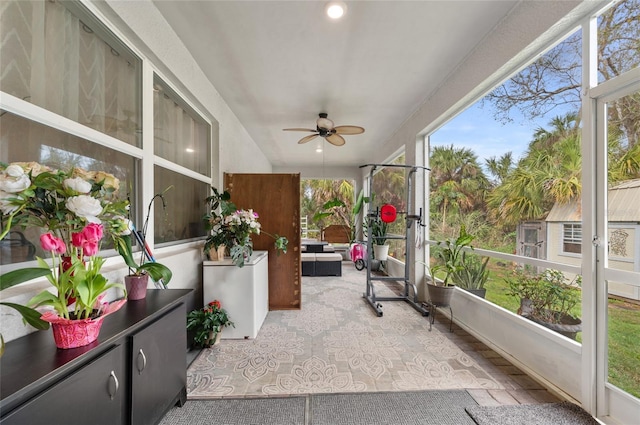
159,367
94,394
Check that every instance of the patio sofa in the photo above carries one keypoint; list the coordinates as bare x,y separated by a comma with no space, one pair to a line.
321,264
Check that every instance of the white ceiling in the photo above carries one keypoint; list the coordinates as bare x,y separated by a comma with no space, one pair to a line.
277,64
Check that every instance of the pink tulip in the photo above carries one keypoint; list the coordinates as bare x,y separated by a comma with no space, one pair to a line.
78,239
90,248
93,231
49,242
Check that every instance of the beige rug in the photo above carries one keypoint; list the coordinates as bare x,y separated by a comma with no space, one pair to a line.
336,344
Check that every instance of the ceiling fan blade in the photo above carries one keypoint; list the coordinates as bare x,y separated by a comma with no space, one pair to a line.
349,129
306,139
335,140
299,129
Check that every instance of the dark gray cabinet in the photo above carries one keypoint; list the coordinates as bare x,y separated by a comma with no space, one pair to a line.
97,391
154,377
133,374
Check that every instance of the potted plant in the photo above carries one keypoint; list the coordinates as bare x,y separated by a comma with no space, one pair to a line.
473,275
233,227
75,209
146,267
379,238
449,256
207,322
547,298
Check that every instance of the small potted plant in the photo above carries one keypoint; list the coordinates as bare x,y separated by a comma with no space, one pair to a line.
379,239
207,323
548,299
137,280
232,228
473,275
449,255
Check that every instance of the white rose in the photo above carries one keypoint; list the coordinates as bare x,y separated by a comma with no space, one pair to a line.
78,184
5,204
14,170
85,206
14,184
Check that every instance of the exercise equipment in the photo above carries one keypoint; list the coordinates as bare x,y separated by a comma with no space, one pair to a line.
388,212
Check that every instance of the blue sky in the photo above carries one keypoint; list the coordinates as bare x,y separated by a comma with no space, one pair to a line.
476,129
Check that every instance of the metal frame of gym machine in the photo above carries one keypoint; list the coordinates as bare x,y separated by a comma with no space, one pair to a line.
370,294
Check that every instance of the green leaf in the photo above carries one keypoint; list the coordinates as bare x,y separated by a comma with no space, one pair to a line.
157,271
15,277
30,316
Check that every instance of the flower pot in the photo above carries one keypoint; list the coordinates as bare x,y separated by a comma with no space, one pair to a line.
76,333
214,338
477,292
440,296
567,325
136,286
381,252
218,253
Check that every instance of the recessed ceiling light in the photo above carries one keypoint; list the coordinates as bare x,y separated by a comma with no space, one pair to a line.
336,9
319,150
190,150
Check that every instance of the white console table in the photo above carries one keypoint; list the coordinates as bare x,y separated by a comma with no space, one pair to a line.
243,292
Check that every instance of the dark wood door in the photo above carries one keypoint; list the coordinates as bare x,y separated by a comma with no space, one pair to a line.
276,199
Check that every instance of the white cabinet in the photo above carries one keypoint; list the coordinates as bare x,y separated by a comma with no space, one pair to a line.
242,291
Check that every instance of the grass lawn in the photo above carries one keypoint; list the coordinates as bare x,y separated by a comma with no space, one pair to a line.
624,330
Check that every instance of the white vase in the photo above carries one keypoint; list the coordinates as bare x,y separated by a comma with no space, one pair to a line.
381,252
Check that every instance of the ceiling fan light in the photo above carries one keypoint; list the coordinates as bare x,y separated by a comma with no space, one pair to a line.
324,122
336,10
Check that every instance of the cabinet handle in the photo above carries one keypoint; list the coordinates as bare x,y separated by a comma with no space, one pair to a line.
113,385
142,357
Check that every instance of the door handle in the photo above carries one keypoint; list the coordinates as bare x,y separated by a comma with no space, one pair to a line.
142,361
113,385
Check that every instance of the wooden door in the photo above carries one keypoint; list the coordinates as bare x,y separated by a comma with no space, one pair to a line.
276,199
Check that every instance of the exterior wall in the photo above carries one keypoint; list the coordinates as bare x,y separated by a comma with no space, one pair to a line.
623,255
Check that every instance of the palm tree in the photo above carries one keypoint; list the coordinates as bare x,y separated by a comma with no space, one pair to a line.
457,182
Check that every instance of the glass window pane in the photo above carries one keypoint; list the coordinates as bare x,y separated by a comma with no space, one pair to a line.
57,56
184,206
180,134
618,39
25,141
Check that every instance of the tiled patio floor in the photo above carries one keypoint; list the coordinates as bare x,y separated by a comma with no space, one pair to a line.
519,387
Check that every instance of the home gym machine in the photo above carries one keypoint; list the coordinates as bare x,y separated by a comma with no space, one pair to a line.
409,294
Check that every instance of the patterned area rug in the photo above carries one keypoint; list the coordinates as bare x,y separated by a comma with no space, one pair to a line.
336,344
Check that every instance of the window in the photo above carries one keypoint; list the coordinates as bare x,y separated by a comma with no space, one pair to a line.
572,238
56,55
180,134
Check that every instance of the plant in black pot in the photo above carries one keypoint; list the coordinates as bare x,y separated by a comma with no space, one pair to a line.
547,298
473,275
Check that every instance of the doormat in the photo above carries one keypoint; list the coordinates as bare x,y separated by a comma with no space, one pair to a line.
564,413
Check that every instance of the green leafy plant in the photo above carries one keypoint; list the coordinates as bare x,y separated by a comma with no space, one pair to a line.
449,255
548,296
379,231
473,274
233,228
207,322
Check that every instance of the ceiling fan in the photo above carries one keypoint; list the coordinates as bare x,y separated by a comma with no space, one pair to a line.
326,129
